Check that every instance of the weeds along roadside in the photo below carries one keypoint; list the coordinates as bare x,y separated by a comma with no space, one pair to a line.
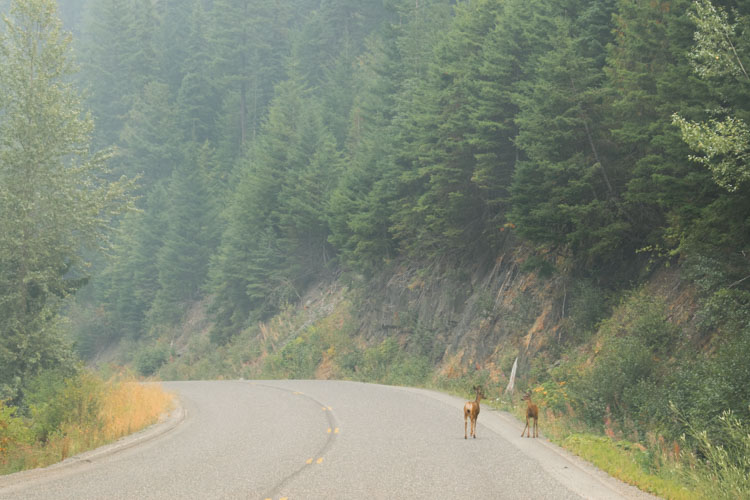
65,416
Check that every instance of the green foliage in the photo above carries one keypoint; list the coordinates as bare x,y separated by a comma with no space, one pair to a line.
55,402
388,363
56,196
182,259
538,264
618,380
149,359
356,135
716,52
450,193
623,380
724,467
277,230
13,431
377,359
629,463
566,188
725,146
587,306
298,359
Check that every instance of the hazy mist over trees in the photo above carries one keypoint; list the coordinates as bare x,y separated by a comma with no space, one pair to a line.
275,141
267,144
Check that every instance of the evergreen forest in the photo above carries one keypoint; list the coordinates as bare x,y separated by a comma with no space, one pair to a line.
162,157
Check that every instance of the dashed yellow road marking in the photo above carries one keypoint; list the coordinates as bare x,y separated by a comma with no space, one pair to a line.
336,431
309,461
320,460
329,430
324,408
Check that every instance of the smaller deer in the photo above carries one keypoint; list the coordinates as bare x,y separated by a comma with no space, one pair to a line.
471,411
532,411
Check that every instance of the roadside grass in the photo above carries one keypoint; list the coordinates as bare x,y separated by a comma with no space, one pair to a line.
624,460
85,413
664,470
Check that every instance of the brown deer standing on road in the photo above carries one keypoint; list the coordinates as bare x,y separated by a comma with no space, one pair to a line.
471,411
532,411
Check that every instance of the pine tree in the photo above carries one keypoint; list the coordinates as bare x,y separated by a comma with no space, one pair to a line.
276,234
150,138
388,76
198,99
172,38
105,46
650,74
129,283
182,260
565,191
445,208
249,41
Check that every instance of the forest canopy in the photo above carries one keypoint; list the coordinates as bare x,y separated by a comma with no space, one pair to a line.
273,143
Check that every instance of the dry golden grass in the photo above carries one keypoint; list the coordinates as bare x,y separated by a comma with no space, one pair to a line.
124,406
130,406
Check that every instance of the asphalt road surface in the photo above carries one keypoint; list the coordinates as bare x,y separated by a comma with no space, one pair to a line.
308,439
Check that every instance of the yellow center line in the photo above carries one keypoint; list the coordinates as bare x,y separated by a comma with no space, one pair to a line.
320,460
309,461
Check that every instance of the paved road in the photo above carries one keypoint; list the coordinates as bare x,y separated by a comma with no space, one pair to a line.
320,440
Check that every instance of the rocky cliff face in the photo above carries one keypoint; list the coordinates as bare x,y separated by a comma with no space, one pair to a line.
517,304
474,318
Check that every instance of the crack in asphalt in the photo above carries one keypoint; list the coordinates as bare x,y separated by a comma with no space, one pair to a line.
332,424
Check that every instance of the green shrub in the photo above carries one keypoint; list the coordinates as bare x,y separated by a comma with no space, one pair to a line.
728,309
544,268
14,432
409,370
298,359
75,400
724,470
587,306
377,360
150,358
612,383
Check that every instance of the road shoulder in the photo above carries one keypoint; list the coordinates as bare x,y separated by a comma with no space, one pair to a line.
165,424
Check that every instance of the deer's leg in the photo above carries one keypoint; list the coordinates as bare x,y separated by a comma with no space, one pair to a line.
473,428
527,425
465,426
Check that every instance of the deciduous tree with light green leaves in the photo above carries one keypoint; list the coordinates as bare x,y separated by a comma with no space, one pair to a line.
55,197
722,143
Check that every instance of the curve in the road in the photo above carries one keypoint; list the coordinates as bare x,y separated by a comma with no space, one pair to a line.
279,439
